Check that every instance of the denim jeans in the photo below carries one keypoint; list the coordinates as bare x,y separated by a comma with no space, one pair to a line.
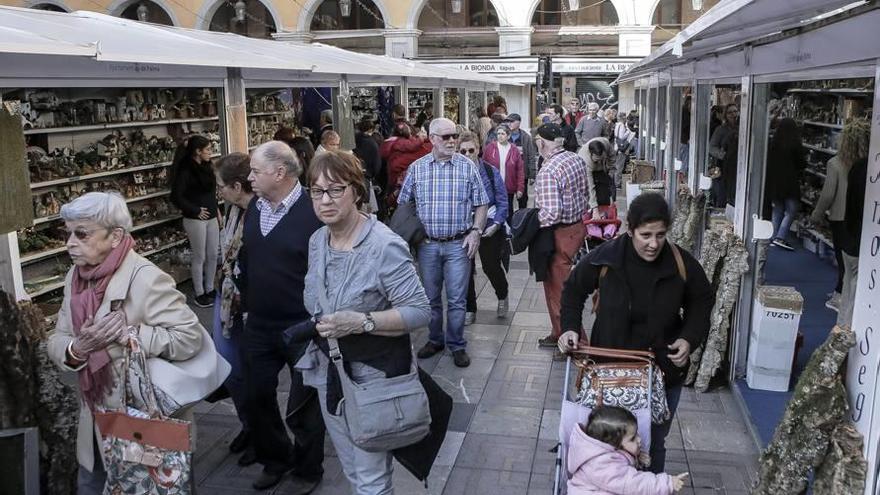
659,432
784,212
231,349
447,262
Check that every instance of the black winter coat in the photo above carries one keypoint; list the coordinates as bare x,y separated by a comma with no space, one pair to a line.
670,295
784,167
194,187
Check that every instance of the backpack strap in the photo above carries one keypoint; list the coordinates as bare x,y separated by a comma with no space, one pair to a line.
679,262
602,272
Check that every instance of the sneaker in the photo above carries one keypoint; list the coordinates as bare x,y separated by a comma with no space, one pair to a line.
212,294
834,302
204,301
429,350
460,358
548,341
469,318
502,308
784,245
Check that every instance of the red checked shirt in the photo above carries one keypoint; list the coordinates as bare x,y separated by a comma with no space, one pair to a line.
561,190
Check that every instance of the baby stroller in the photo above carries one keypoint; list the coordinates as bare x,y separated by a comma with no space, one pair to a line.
600,229
635,365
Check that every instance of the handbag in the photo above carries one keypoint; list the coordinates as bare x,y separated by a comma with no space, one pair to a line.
145,451
632,382
383,414
406,223
177,384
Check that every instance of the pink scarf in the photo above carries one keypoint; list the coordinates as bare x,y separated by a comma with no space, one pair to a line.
87,292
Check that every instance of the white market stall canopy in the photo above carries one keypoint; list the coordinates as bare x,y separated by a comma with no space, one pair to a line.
762,37
31,39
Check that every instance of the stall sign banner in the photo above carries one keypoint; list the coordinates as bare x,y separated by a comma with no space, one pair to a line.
863,370
591,67
491,66
16,210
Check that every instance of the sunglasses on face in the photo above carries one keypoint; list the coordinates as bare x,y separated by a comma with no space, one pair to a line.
468,151
333,192
83,234
447,137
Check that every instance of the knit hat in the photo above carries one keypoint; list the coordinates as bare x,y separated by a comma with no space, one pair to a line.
550,132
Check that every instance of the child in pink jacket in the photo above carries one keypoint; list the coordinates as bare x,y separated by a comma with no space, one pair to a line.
602,458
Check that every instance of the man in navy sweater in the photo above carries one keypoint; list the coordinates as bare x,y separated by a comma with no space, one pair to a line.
274,261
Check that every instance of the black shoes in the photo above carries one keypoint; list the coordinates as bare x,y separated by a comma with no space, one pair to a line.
240,442
548,341
461,359
429,350
267,480
249,457
204,301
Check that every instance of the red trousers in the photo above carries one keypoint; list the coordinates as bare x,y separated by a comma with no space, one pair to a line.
569,240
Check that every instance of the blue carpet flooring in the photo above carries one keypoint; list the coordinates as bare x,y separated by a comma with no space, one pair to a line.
814,278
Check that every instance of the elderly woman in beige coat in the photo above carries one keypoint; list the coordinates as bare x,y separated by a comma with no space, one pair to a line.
89,337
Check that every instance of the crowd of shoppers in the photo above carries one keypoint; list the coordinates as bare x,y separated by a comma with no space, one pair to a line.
307,278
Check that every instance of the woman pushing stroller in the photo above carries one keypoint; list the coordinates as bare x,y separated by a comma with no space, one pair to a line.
644,283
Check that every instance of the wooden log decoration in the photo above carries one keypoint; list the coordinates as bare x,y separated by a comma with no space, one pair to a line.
805,438
32,394
16,211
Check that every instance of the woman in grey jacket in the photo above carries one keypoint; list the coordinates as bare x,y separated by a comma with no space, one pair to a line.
363,290
598,155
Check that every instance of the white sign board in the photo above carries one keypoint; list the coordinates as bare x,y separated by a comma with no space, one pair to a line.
864,359
491,66
591,67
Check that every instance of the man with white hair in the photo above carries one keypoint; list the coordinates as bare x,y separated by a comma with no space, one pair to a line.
590,126
561,199
330,141
274,260
452,205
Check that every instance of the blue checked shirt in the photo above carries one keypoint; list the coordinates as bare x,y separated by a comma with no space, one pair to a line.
269,218
445,193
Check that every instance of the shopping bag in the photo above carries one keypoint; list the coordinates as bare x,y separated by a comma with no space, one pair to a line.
145,452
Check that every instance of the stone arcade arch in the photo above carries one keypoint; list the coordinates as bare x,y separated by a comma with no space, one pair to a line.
261,21
157,11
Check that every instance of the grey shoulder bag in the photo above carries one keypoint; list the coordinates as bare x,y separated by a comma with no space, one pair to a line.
382,414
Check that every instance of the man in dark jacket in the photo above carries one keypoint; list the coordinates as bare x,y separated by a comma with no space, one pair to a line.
570,142
274,261
644,283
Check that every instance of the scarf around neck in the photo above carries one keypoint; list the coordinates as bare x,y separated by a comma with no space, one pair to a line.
88,285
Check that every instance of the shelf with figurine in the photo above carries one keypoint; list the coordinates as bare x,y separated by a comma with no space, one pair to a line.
68,110
451,104
268,111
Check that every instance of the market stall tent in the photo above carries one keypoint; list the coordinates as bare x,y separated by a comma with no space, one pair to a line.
752,43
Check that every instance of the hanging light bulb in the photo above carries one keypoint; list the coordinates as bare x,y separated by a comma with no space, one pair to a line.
345,7
573,4
142,12
240,10
697,4
456,6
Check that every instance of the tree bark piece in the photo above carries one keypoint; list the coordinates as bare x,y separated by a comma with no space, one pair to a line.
817,407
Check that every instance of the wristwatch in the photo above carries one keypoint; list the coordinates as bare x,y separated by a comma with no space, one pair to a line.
369,324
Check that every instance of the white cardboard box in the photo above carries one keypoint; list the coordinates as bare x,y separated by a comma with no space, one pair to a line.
775,321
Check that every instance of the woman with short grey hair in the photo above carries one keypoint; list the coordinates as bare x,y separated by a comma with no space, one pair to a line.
90,337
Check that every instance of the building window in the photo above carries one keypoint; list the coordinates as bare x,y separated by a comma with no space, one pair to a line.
152,12
668,14
256,21
49,7
363,14
438,14
558,13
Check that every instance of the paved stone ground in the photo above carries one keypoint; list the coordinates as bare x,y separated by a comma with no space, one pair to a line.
505,418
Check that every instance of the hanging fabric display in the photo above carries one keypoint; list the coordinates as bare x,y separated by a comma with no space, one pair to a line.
801,441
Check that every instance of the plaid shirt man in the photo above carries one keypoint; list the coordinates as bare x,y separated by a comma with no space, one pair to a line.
269,218
561,189
445,194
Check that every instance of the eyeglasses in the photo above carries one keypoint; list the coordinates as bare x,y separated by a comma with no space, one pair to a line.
83,234
333,192
468,151
447,137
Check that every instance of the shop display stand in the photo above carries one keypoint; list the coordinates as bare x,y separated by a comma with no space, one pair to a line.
268,111
103,139
364,103
451,104
416,101
821,108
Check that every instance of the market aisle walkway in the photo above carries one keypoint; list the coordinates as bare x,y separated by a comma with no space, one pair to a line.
505,418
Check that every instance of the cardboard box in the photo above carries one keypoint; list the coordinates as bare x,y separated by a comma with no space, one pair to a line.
775,321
